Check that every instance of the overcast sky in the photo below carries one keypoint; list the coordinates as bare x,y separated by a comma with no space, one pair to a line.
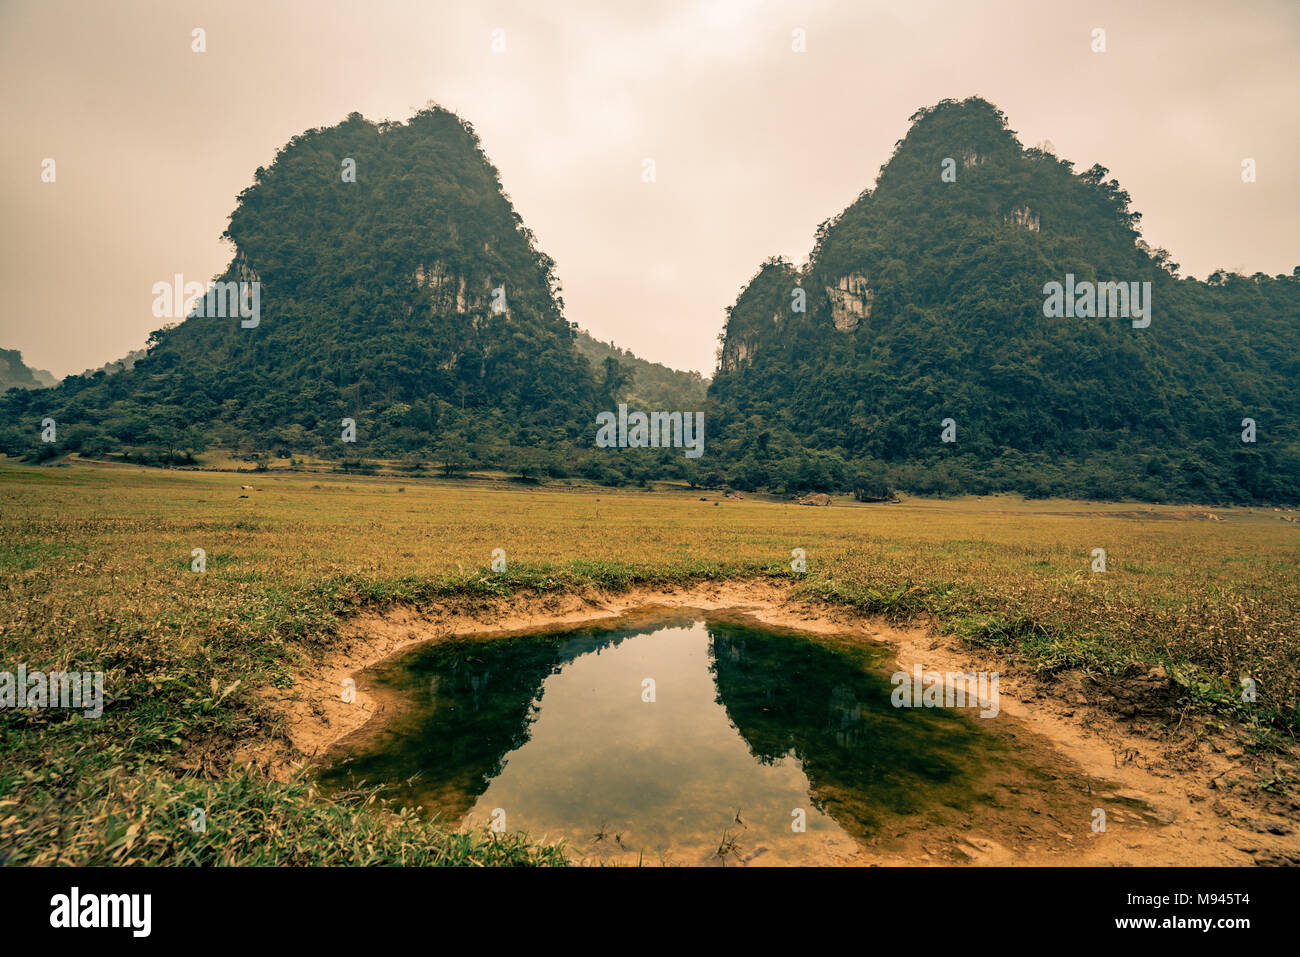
754,144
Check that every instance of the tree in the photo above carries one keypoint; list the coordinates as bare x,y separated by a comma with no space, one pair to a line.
869,485
615,381
451,453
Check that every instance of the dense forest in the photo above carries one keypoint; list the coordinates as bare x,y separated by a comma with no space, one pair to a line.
401,292
923,319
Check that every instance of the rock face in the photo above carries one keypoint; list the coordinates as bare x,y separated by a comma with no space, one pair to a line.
451,293
765,312
817,498
850,301
1023,216
736,353
241,270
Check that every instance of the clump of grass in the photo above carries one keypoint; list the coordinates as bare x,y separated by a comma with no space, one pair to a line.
1205,639
129,817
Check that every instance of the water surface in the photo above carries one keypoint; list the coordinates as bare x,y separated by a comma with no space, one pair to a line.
751,730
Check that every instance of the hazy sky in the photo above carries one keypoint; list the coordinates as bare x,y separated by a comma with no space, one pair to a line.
754,144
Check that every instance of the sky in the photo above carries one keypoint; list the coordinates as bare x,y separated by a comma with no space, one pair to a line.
754,142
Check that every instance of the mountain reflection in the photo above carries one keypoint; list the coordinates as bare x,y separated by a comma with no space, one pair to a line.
744,716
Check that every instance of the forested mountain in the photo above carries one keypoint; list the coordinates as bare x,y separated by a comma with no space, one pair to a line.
653,386
918,348
924,301
398,289
15,374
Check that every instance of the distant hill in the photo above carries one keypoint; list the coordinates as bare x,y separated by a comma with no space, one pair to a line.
654,386
15,374
126,363
920,316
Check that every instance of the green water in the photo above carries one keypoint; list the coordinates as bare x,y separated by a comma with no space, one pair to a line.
553,731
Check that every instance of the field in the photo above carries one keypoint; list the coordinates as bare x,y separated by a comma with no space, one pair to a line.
95,575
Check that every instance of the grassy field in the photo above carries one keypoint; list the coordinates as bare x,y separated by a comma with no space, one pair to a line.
95,576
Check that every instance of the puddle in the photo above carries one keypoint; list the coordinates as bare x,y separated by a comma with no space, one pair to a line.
752,731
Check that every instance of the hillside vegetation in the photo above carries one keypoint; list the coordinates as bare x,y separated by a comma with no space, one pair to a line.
924,301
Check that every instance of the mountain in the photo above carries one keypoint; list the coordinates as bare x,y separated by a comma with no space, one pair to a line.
396,288
653,386
14,373
921,314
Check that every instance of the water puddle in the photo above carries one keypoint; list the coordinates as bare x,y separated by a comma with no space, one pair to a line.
759,746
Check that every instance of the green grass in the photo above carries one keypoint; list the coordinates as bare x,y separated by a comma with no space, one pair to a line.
125,818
